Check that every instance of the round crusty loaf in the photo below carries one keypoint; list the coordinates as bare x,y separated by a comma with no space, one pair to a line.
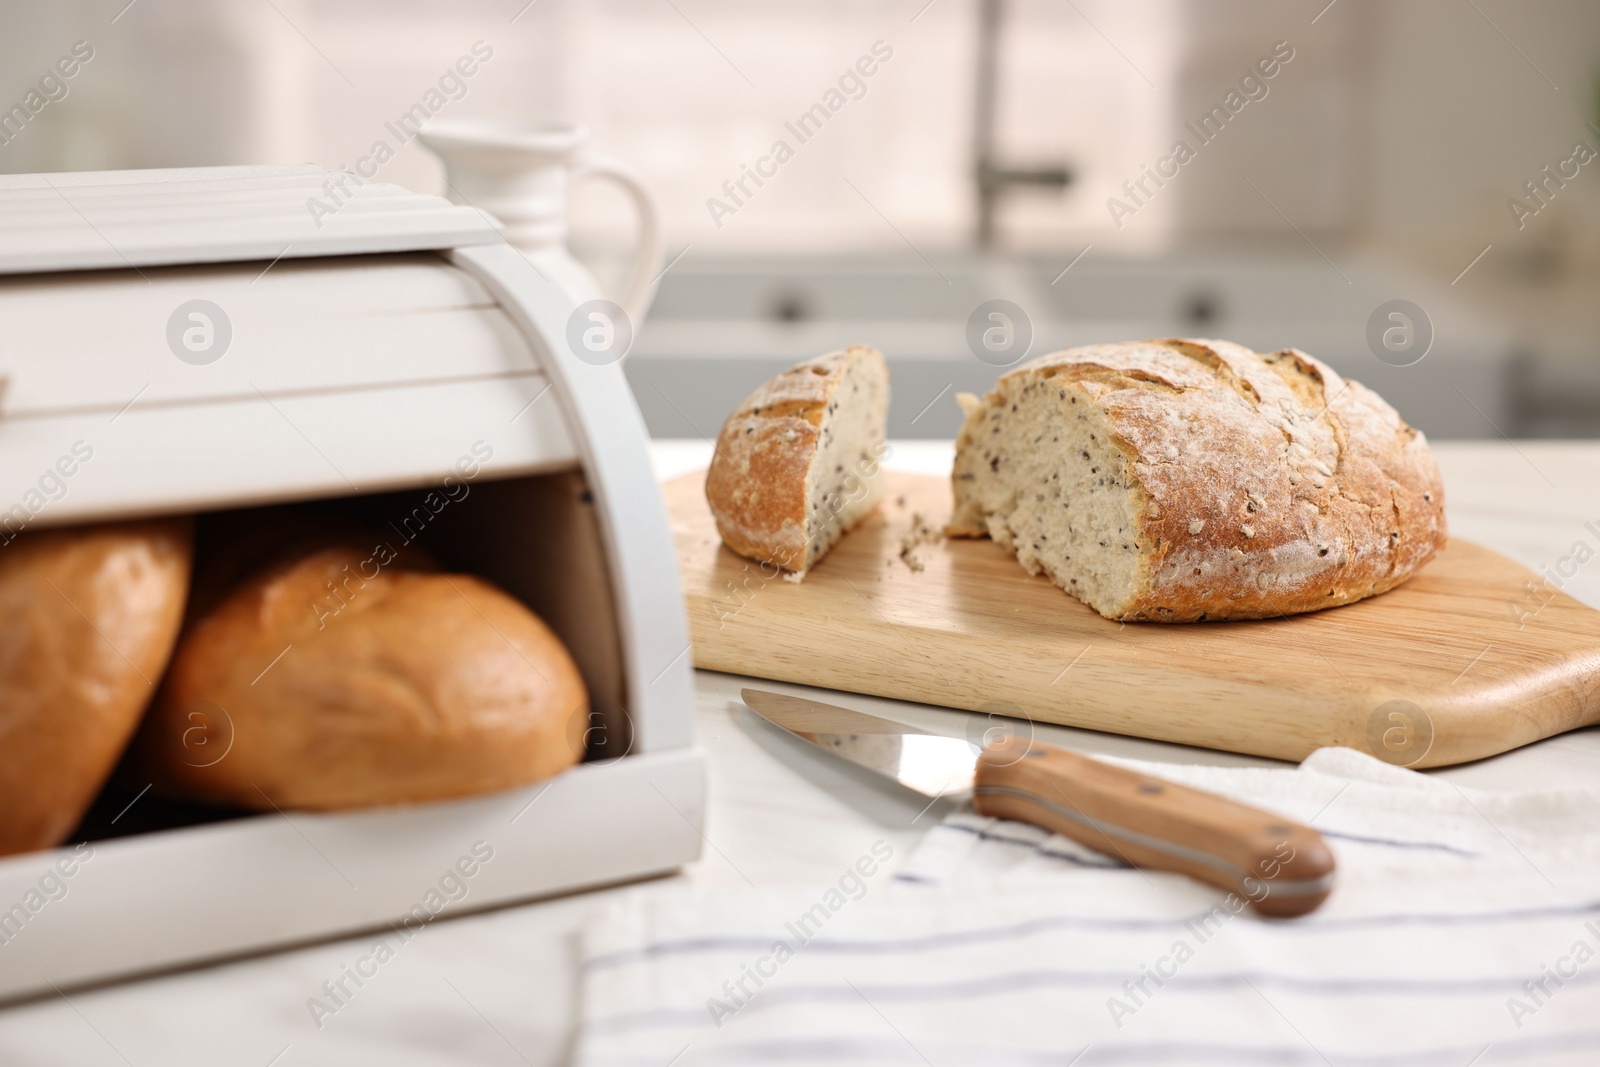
344,678
796,464
88,617
1188,480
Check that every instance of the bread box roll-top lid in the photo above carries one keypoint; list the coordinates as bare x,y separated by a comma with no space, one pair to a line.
179,339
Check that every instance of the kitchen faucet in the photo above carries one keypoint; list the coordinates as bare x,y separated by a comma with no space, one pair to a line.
992,177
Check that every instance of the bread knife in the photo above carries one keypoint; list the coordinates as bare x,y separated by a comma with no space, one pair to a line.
1281,867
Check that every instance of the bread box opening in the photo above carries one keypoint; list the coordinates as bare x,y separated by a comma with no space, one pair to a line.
536,537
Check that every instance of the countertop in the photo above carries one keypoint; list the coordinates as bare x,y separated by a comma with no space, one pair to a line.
498,987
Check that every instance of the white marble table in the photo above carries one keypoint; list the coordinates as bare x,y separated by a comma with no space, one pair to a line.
497,988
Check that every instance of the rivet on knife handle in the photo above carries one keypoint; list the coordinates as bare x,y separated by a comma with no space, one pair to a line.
1282,867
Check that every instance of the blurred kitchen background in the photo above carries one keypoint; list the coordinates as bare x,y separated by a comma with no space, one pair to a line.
1382,164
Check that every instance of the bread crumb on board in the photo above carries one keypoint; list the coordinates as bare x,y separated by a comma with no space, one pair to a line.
921,533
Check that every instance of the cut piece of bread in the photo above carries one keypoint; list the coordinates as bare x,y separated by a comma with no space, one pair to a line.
796,465
1192,480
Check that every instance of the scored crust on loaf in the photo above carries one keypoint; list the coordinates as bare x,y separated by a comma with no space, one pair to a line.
1193,480
796,465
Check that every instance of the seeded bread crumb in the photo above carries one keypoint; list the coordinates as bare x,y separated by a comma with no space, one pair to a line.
920,533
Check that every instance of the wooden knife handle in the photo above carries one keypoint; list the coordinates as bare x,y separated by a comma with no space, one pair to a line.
1281,867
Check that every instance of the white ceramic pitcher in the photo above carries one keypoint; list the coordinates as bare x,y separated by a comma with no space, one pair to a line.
519,172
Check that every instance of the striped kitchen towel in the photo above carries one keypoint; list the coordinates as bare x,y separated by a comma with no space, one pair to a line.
1464,930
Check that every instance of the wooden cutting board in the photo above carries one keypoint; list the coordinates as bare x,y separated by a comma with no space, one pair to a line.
1474,656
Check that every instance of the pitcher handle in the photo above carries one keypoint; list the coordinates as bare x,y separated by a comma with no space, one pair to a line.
648,253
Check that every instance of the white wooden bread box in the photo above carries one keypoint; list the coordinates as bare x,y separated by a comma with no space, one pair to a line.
367,353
